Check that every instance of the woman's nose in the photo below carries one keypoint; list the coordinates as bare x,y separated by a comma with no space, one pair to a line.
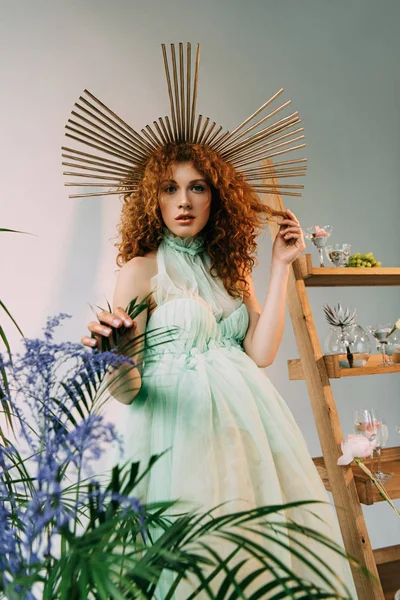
184,201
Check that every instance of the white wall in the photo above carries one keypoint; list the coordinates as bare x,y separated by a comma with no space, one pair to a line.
338,61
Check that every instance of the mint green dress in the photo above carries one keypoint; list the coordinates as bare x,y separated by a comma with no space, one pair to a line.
230,436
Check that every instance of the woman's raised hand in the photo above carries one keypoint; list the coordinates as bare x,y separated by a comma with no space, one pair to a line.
107,322
289,242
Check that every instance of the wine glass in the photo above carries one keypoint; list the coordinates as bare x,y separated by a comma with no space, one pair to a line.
393,346
319,237
381,334
364,424
382,434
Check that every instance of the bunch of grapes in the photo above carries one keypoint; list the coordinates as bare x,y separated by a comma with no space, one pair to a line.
363,260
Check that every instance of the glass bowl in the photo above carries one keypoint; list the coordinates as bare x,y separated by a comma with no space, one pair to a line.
338,254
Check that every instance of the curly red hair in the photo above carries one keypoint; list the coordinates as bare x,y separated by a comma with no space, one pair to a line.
236,218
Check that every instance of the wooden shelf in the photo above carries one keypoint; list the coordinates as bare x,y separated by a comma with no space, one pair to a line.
335,371
367,492
388,563
344,276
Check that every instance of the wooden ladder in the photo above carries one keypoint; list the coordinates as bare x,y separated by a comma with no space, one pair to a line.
349,486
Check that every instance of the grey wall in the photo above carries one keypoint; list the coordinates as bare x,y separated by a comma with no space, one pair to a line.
337,60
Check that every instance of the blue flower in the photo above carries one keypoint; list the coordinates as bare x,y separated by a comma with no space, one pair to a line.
52,392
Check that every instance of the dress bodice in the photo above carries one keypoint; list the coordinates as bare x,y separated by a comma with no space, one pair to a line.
194,311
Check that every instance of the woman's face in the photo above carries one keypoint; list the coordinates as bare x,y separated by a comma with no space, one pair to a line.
186,193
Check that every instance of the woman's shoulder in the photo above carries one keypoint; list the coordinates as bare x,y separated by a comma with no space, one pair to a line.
139,270
134,279
142,264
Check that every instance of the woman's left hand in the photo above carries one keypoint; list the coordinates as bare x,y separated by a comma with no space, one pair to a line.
285,250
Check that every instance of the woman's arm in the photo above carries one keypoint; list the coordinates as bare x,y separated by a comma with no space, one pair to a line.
133,281
265,330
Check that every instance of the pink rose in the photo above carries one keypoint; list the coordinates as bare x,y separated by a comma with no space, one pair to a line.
320,232
355,446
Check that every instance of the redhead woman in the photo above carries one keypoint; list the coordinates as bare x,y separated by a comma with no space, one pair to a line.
188,241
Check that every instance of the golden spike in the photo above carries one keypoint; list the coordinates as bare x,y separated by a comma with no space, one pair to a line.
158,140
182,85
93,135
271,155
188,84
239,127
219,139
203,130
195,86
283,187
140,140
169,129
104,147
261,150
268,116
155,147
73,137
207,135
160,133
271,130
199,118
176,90
281,164
110,124
99,177
272,171
91,194
277,191
281,172
100,185
165,132
110,165
275,176
108,136
262,144
94,170
171,98
262,139
214,135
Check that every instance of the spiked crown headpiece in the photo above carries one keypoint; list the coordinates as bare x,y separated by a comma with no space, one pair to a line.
122,153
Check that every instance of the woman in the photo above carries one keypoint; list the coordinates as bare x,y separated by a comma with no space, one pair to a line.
189,239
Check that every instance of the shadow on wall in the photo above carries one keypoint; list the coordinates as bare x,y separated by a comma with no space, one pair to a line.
78,275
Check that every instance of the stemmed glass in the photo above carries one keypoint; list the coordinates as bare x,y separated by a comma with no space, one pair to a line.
319,237
381,333
382,434
392,346
364,424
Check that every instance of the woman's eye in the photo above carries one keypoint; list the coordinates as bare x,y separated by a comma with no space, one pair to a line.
170,189
199,188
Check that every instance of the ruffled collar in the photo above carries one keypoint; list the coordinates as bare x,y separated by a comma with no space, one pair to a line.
190,245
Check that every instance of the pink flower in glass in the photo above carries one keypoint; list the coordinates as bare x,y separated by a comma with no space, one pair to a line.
355,446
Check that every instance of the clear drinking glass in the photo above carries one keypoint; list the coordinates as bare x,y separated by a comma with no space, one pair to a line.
382,434
381,333
338,254
319,236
